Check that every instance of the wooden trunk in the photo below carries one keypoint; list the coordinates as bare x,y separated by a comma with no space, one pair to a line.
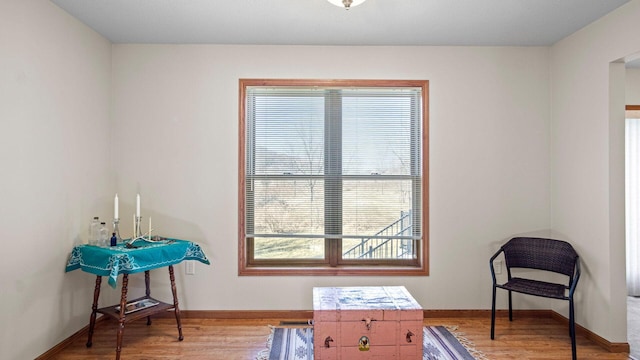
377,322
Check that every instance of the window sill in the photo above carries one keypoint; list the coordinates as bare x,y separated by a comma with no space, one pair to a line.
332,271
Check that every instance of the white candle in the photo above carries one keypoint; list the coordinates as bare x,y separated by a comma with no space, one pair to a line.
115,207
138,205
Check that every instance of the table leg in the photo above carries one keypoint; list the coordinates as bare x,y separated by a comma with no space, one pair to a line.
147,280
123,303
175,302
94,308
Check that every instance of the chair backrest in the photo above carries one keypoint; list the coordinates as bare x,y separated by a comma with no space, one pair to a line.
539,253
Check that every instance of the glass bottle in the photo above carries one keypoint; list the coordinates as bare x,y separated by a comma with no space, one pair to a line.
94,229
103,235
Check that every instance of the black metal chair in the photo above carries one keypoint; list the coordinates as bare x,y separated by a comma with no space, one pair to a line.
543,254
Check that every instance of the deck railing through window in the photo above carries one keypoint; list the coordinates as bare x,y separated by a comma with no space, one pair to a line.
378,247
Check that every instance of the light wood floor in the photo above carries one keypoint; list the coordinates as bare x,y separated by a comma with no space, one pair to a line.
524,338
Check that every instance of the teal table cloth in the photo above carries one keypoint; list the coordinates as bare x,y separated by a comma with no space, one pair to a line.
116,260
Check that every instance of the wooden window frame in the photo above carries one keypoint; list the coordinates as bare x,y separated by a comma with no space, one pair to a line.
246,266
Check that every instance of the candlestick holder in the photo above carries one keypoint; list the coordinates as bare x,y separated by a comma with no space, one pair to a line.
138,230
116,228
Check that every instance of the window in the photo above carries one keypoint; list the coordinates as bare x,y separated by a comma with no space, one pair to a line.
332,177
632,191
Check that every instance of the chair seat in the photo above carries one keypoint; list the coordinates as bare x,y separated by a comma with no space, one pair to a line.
535,287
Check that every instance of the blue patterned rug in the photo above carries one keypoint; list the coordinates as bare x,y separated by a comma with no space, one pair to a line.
296,343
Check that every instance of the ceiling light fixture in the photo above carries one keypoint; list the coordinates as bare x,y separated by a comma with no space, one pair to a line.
346,3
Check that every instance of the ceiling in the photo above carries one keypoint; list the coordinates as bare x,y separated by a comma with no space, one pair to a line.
317,22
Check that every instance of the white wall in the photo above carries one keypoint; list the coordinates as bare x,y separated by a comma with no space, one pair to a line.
588,163
632,86
54,152
175,113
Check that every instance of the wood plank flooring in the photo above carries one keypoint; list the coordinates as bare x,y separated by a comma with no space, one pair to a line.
531,338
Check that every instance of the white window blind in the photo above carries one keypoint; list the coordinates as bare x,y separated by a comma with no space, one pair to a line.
334,163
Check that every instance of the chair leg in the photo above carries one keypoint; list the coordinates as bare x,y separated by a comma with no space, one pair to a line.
510,308
493,313
572,330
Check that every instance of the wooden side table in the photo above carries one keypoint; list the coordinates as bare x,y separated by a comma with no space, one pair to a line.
122,260
119,312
